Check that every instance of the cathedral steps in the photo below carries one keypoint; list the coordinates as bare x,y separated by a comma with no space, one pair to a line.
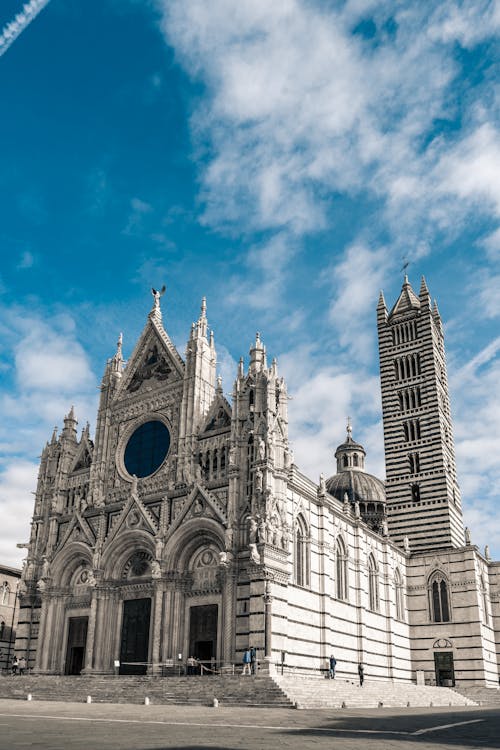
316,692
230,690
483,696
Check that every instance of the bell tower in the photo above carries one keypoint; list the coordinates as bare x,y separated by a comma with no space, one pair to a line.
423,497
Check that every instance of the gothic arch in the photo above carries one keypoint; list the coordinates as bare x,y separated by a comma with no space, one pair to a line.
373,584
189,537
116,556
65,564
399,595
341,570
301,549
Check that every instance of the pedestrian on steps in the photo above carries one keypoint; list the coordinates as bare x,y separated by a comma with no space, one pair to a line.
361,672
247,660
333,664
253,659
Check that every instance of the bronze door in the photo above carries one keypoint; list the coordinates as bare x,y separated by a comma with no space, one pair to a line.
77,641
445,672
135,636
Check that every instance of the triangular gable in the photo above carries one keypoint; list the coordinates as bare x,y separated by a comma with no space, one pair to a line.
78,530
83,458
199,503
218,417
134,515
154,360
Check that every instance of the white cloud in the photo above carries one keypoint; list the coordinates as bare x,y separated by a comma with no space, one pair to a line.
26,261
17,481
357,278
49,371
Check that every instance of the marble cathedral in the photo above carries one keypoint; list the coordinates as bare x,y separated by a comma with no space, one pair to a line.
184,528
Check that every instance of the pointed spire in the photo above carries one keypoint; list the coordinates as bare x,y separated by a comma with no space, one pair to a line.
425,297
241,368
257,355
381,308
212,341
54,436
349,428
406,302
70,422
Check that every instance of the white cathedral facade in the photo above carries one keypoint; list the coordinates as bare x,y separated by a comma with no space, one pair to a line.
185,529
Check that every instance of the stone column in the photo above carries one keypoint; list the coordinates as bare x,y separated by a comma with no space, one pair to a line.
89,649
57,647
228,622
268,621
157,618
42,639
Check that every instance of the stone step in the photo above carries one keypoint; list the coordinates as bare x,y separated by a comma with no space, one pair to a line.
229,690
317,693
481,695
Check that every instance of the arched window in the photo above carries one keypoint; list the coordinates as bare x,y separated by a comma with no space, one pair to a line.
340,570
5,593
439,599
373,592
345,460
355,459
399,595
2,630
301,552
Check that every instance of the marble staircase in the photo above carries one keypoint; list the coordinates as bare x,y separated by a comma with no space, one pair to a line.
318,692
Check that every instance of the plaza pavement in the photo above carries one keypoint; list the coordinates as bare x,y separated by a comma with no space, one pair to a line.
71,726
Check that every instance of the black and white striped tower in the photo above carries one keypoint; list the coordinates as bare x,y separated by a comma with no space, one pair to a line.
423,497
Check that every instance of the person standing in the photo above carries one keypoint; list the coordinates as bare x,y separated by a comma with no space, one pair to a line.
247,659
253,659
15,665
22,665
361,672
333,664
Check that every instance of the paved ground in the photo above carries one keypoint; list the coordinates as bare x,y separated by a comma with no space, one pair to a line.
71,726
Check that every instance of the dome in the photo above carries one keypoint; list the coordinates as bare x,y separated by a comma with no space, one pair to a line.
359,485
362,488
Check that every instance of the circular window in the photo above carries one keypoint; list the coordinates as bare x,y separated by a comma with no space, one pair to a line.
147,448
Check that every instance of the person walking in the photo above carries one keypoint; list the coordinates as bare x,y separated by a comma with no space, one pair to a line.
333,664
361,672
247,660
15,665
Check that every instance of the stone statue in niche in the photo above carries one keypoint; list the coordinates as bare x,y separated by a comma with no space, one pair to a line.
262,449
252,530
154,366
254,554
262,530
232,455
258,480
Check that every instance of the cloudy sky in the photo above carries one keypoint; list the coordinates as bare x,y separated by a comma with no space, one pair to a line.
282,158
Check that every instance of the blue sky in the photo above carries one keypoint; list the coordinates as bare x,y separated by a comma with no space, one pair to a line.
280,158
